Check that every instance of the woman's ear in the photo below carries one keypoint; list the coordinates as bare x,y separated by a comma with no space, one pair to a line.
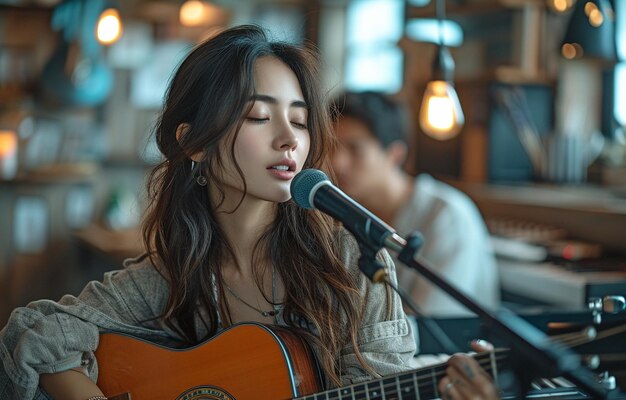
180,132
397,152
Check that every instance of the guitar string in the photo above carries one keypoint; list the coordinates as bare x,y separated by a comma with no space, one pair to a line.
439,371
428,391
600,335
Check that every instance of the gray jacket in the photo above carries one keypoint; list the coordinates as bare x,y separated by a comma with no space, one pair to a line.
47,336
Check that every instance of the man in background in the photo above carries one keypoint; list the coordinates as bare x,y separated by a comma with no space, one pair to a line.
372,131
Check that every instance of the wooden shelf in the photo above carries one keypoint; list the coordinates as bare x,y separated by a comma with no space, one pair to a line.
57,173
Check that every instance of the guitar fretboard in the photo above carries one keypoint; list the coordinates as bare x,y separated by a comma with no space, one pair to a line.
421,384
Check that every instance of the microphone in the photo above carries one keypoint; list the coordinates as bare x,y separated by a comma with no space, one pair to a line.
311,188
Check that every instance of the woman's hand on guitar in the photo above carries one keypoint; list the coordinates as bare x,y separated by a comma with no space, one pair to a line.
465,379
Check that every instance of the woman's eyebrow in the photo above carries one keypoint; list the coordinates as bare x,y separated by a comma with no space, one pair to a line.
272,100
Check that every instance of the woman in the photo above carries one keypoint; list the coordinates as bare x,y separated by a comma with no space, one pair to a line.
242,116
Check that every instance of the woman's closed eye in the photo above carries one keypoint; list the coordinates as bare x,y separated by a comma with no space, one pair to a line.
261,120
299,125
257,120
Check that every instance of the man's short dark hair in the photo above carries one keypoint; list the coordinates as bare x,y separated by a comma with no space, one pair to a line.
385,118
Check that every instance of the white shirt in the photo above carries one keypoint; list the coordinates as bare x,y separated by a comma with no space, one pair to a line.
456,244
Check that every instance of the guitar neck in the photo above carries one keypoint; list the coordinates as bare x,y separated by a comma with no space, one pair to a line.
418,384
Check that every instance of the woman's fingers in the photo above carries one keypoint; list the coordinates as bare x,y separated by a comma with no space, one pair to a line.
447,389
470,381
480,345
465,379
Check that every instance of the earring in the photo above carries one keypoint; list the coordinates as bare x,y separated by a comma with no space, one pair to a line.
200,179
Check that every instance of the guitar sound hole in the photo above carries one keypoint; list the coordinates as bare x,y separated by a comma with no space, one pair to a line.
205,393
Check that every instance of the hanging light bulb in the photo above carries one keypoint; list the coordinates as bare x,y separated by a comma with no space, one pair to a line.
109,28
441,116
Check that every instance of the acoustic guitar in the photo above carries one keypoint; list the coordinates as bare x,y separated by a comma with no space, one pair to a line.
247,361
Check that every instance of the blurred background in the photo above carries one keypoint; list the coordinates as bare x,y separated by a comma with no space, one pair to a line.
530,125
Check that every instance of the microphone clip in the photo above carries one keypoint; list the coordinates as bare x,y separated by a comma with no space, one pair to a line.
370,265
414,243
373,268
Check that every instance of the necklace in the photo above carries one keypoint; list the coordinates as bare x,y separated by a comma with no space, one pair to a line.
271,313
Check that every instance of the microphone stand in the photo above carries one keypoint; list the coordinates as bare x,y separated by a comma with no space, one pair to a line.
530,345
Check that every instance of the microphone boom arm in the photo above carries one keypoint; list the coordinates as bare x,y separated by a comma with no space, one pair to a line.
529,342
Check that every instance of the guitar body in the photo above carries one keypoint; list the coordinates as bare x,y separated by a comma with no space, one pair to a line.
246,361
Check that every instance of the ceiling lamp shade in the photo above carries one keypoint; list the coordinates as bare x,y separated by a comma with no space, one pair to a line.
590,32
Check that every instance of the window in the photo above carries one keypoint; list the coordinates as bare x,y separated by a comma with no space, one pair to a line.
373,59
447,32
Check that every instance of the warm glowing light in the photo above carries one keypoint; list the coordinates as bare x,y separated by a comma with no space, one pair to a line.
560,6
568,51
441,116
8,143
596,18
572,50
8,154
196,13
109,28
590,7
441,113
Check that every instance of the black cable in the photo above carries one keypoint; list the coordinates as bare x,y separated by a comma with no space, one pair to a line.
377,273
429,324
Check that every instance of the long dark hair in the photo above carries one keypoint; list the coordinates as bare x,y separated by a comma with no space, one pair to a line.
210,92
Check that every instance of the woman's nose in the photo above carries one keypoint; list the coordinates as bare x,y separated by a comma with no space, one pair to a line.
287,138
